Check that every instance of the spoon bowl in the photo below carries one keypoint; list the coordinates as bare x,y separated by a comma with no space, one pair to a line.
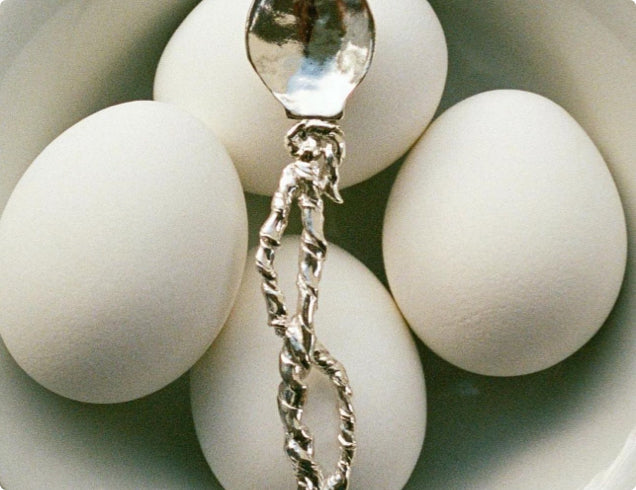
311,54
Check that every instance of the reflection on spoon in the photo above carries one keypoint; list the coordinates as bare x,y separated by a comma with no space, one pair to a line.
311,54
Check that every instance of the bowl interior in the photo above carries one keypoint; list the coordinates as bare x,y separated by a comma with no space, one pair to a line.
62,60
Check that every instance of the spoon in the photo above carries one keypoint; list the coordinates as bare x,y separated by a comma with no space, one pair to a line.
311,54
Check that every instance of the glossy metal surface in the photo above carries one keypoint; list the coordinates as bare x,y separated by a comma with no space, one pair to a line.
318,149
311,54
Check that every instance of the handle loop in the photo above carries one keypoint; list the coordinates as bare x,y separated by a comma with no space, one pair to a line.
318,149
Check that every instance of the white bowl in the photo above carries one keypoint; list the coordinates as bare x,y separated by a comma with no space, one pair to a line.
61,60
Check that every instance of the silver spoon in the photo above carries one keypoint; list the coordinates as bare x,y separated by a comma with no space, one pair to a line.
311,54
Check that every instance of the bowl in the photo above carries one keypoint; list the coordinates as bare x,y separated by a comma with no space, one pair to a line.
61,60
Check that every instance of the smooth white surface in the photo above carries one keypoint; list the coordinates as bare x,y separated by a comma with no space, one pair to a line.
234,386
121,250
504,236
204,70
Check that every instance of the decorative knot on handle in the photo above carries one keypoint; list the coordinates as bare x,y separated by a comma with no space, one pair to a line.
318,148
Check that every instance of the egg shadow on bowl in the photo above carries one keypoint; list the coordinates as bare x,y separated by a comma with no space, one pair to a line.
49,441
479,425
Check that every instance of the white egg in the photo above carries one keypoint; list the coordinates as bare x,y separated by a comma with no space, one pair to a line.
121,251
204,69
234,386
504,237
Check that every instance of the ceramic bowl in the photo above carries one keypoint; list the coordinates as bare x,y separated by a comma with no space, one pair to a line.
61,60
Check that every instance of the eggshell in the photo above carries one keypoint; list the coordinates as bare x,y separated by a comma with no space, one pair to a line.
204,69
121,251
504,237
234,386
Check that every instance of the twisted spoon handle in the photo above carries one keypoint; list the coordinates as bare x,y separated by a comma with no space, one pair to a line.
318,149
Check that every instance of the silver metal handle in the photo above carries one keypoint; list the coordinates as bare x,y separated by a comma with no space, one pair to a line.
318,149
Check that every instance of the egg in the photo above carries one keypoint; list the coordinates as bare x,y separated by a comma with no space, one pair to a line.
121,251
234,386
204,69
504,237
